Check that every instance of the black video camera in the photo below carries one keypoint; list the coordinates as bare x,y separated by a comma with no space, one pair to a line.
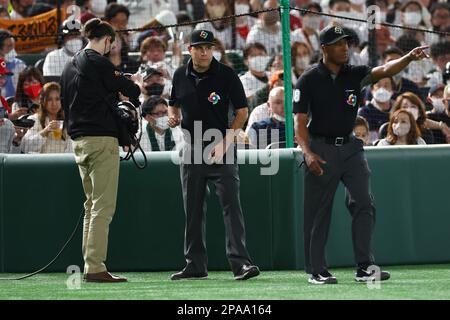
24,122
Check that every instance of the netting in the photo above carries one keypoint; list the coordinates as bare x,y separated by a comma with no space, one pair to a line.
154,35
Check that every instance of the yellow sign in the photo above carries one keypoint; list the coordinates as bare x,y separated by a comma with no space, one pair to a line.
27,31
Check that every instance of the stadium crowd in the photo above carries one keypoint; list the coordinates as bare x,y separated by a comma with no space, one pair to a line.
410,108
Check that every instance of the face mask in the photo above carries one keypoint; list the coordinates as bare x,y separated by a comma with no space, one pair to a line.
311,23
10,56
74,45
358,2
414,112
217,55
258,63
302,63
382,95
438,105
412,18
270,18
162,122
382,16
278,117
98,6
401,129
216,11
155,89
241,8
33,90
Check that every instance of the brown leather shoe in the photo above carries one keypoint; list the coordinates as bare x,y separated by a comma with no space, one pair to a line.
103,277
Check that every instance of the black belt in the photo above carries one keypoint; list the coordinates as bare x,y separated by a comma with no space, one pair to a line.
337,141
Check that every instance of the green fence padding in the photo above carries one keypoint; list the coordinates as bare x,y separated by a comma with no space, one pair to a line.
41,200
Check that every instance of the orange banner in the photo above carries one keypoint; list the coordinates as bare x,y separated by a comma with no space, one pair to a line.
26,30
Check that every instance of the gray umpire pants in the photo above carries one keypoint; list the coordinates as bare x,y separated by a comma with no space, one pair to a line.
346,163
194,179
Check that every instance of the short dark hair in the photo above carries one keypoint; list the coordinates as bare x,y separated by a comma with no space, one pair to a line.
4,34
253,45
439,5
114,9
97,29
150,104
407,42
360,121
440,49
392,50
312,5
333,2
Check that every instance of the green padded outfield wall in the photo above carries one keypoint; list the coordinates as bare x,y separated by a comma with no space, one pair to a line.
41,199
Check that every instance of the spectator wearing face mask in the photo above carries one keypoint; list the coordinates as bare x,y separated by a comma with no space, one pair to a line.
9,54
244,23
402,130
414,14
361,130
311,25
270,130
222,29
29,88
72,43
256,58
300,59
439,97
267,29
416,107
153,83
261,96
440,54
157,135
343,8
376,112
219,53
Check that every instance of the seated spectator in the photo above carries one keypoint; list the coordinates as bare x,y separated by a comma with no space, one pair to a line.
361,130
117,15
153,81
6,133
153,28
4,73
153,51
7,52
157,135
20,8
270,130
256,58
244,23
4,14
402,130
48,134
261,96
416,107
267,29
56,60
301,59
440,16
222,29
376,112
439,97
29,87
219,53
440,55
311,25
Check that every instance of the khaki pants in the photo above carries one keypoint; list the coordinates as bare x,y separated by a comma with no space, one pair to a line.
98,162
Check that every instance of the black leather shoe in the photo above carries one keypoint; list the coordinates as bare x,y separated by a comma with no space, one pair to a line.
247,272
188,276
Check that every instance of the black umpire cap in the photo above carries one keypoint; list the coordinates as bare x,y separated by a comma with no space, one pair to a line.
199,37
332,34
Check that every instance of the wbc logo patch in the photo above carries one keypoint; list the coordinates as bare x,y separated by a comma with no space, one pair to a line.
351,100
214,98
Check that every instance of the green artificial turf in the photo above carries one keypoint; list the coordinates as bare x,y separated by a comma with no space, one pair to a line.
407,282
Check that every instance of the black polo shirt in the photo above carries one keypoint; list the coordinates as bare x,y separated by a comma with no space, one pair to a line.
332,104
207,97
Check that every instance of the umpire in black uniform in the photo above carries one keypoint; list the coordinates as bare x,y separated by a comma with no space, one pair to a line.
204,93
326,100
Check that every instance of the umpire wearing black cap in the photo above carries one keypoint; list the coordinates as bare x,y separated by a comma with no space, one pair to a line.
326,101
203,93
